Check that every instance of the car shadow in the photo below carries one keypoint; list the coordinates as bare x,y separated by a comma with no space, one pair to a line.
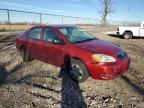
117,36
3,75
138,37
138,89
72,96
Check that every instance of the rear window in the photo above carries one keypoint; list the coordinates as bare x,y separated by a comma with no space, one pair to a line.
35,33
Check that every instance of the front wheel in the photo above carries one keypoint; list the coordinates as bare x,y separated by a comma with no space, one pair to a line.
78,71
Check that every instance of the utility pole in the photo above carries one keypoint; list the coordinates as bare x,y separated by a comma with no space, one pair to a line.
9,21
40,18
62,19
127,14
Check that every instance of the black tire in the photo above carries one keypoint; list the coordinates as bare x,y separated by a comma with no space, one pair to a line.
25,55
127,35
77,70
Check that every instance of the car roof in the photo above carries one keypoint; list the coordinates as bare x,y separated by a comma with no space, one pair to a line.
55,26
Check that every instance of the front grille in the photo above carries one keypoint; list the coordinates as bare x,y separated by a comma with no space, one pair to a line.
122,55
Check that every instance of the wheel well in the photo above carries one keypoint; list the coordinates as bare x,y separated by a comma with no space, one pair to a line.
22,46
75,58
67,58
128,31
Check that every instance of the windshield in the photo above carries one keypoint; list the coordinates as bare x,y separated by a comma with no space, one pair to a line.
76,35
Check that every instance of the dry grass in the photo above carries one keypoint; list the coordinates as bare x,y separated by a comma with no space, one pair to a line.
90,28
14,27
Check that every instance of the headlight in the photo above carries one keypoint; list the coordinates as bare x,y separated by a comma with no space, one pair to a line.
103,58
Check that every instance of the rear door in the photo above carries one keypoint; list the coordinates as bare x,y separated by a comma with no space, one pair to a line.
53,47
34,44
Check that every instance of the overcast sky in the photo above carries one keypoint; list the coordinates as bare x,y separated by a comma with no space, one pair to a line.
132,10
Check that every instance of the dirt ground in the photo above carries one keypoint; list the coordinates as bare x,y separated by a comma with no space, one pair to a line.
39,85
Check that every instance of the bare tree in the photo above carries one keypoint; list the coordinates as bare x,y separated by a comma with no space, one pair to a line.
106,9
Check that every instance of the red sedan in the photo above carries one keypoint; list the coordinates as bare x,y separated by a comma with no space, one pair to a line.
78,52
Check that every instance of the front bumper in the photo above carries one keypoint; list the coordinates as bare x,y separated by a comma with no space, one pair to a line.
108,71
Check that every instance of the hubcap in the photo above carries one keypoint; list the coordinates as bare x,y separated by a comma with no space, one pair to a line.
76,72
127,36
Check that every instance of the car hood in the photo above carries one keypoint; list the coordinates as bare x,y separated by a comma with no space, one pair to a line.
100,47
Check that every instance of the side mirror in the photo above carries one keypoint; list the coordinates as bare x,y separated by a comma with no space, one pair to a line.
30,35
58,42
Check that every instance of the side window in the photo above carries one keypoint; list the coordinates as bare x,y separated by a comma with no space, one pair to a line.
49,36
35,33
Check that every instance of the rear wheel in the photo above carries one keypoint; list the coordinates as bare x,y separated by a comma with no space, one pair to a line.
78,71
127,35
25,55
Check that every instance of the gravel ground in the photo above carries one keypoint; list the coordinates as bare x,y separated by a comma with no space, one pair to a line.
40,85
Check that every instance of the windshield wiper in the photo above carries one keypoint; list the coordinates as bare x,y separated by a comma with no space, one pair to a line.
85,40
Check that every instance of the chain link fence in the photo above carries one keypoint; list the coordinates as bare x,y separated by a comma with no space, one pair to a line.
15,20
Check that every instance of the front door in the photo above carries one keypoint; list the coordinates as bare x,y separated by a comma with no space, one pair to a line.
53,48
